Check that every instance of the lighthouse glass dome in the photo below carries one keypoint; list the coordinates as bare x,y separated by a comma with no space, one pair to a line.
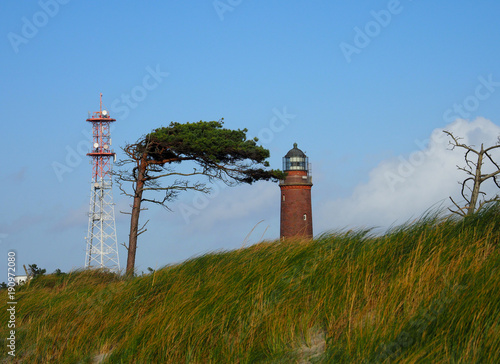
295,160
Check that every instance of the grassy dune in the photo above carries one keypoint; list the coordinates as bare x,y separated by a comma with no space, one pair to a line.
427,292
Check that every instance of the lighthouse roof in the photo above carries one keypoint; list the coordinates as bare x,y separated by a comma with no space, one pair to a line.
295,152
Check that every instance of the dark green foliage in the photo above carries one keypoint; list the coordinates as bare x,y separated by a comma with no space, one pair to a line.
213,147
34,271
209,141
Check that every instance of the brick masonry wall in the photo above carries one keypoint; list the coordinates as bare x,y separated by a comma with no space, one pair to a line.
296,203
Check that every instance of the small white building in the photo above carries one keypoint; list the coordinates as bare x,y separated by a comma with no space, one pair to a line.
20,280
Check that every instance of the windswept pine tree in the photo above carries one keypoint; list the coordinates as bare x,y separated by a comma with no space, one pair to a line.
214,153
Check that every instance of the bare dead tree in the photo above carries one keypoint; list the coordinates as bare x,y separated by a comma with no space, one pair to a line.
476,177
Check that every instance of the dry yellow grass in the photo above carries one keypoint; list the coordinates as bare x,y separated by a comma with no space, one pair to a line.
425,292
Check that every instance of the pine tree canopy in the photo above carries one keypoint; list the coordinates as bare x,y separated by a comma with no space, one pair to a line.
213,147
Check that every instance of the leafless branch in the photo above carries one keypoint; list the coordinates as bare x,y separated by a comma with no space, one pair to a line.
496,198
142,229
464,185
149,178
460,210
456,142
179,188
123,191
496,182
468,171
492,147
468,161
490,158
485,177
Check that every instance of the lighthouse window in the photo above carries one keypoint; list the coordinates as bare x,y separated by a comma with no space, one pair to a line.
283,197
305,217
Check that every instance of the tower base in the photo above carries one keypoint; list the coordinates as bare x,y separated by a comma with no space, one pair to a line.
102,245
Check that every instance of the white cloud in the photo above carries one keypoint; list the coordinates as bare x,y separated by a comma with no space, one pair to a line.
403,188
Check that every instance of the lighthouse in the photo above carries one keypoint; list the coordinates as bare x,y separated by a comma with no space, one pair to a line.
296,210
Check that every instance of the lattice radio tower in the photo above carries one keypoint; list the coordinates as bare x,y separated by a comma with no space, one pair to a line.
102,246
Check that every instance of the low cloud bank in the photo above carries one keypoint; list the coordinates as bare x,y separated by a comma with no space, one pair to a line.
403,188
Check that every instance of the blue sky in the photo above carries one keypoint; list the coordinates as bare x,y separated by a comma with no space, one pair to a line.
361,86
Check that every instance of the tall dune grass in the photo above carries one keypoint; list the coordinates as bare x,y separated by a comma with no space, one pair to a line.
423,292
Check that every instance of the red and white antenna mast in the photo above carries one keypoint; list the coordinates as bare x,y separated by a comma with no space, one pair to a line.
102,246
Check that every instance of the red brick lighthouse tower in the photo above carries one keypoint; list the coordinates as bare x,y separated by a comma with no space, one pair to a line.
296,211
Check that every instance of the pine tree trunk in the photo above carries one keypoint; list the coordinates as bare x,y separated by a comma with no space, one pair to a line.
134,220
